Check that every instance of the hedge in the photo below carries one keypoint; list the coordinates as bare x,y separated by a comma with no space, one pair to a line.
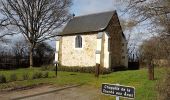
84,69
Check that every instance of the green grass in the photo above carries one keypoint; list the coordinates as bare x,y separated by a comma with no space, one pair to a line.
145,89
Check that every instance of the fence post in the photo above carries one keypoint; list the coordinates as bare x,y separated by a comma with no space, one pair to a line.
56,65
151,71
97,70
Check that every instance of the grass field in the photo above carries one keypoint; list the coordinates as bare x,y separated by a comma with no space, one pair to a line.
145,89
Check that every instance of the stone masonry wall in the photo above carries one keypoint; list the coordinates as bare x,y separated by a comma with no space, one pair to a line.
115,32
124,53
83,57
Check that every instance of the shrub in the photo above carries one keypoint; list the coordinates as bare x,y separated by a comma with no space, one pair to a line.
50,68
25,76
37,75
164,88
45,75
2,79
13,77
105,71
83,69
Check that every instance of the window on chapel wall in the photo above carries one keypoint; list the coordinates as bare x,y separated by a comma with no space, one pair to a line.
78,42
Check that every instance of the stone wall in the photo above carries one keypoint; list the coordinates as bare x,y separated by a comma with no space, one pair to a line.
124,53
115,32
83,57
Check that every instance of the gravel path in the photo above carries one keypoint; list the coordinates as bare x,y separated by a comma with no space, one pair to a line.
53,93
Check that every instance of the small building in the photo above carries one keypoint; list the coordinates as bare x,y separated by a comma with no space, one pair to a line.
90,39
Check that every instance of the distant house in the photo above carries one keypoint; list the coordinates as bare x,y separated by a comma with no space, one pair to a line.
90,39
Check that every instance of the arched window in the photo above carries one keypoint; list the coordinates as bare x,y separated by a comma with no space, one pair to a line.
78,41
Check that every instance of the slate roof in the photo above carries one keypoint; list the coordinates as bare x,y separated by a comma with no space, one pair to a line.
88,23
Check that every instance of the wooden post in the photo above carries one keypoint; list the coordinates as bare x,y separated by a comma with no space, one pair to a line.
97,70
151,71
56,65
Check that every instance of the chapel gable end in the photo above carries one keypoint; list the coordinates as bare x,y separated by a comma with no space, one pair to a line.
115,31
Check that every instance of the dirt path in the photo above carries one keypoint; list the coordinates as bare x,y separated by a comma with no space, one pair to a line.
53,93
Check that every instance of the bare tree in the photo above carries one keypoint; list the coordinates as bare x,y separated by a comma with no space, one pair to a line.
156,15
152,51
44,53
37,20
147,51
3,33
20,50
157,12
128,26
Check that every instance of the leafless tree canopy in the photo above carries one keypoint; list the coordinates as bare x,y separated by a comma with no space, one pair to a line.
37,20
154,49
156,11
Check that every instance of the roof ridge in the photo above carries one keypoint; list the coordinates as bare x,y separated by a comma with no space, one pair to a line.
94,14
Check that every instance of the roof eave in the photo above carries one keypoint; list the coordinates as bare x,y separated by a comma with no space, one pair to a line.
90,32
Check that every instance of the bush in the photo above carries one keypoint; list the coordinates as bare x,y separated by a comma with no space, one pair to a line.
45,75
2,79
25,76
50,68
105,71
83,69
13,77
164,88
37,75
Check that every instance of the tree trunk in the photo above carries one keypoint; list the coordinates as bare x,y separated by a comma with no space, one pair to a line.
151,71
31,56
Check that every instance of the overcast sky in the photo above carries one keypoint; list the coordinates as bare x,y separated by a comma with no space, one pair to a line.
83,7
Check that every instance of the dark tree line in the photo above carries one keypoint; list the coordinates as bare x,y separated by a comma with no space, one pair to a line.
17,56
